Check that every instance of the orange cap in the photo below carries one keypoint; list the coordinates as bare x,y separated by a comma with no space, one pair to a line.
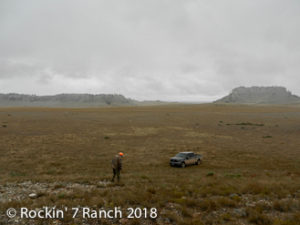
121,153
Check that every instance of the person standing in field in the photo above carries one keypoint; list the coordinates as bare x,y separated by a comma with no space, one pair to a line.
116,164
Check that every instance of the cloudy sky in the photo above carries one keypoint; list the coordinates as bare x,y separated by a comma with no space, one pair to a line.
185,50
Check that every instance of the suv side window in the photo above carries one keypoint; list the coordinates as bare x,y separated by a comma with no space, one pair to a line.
191,155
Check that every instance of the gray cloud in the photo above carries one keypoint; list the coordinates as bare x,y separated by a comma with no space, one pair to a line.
158,49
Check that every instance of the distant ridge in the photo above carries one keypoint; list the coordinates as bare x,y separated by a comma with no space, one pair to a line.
260,95
69,100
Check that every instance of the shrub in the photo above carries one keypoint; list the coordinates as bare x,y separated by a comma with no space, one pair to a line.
226,202
282,205
207,205
258,218
210,174
226,217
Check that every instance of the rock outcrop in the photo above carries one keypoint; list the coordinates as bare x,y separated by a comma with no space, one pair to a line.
260,95
65,100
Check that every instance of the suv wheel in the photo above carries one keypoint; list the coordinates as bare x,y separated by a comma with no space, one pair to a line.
198,162
182,165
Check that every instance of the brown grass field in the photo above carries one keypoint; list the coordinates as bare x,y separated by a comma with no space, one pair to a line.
250,172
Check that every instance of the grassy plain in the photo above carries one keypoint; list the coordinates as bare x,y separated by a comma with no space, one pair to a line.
250,172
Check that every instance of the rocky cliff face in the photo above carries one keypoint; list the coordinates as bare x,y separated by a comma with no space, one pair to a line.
65,100
260,95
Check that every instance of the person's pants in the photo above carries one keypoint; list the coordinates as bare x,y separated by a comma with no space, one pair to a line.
116,172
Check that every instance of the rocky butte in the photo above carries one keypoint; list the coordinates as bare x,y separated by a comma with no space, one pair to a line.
260,95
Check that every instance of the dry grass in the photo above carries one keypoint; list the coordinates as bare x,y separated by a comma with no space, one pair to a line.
76,146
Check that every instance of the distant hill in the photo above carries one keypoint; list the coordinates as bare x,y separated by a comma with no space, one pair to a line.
260,95
69,100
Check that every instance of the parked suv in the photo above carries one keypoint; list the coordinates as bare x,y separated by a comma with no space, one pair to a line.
184,159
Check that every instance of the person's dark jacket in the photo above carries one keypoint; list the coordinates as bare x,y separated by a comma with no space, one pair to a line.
116,162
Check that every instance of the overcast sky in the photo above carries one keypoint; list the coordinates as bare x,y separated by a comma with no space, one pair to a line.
184,50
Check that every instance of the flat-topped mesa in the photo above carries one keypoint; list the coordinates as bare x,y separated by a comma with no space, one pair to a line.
260,95
64,100
71,100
